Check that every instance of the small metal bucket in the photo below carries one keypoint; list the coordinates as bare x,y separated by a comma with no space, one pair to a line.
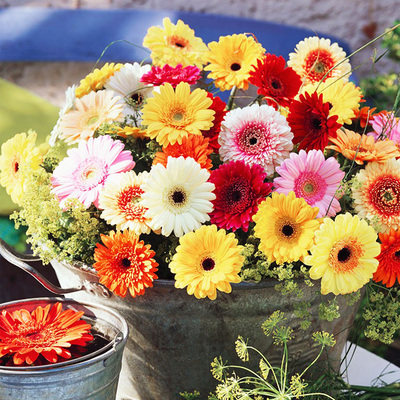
90,377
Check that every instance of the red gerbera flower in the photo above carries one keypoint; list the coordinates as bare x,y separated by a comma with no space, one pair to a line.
44,331
364,116
173,75
310,122
239,188
279,84
212,134
389,259
125,263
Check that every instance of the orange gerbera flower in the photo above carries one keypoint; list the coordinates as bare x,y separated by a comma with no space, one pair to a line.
364,116
44,331
194,146
362,147
125,263
389,259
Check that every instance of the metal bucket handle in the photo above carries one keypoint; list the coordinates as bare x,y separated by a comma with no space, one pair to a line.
18,260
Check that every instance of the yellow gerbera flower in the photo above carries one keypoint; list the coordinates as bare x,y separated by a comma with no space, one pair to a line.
231,60
172,115
285,226
206,260
96,79
19,157
314,57
175,44
343,254
344,97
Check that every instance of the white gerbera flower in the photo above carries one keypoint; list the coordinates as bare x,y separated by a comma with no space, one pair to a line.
178,196
314,57
256,135
68,105
121,200
126,83
90,111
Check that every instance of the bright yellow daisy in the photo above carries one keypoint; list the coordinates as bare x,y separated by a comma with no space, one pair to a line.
376,194
314,58
344,97
207,260
285,226
175,44
96,79
174,114
231,60
343,255
19,158
89,113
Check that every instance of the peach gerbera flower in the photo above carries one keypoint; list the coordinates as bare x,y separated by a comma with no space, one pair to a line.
362,148
194,146
90,112
125,263
45,331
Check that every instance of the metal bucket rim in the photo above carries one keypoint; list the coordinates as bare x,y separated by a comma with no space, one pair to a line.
99,355
169,283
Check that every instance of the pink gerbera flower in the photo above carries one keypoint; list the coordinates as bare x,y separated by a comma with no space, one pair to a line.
173,75
82,174
255,135
313,178
386,126
239,188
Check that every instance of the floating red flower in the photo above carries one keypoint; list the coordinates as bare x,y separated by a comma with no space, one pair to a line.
212,134
310,122
45,331
173,75
276,82
239,188
125,263
389,259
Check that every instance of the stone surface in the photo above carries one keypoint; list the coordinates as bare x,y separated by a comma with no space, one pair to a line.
356,21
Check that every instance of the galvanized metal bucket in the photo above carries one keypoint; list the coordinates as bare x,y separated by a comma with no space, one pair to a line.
91,377
174,337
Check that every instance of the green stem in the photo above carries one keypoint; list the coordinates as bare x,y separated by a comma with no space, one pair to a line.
231,98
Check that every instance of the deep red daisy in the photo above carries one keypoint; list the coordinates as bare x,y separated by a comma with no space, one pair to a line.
276,82
310,122
212,134
239,188
173,75
389,259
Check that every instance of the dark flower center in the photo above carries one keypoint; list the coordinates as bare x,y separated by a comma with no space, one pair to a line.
287,230
316,123
276,84
319,67
178,197
126,262
397,254
235,67
236,195
208,264
16,167
344,254
178,44
253,141
137,98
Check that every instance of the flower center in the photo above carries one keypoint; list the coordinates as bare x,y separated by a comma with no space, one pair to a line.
16,166
126,262
287,230
345,255
92,120
316,123
235,67
397,254
317,63
208,264
178,116
128,201
89,173
236,196
177,197
254,138
385,195
308,187
178,42
276,84
137,98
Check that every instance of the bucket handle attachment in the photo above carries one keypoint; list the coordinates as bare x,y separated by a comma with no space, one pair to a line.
18,260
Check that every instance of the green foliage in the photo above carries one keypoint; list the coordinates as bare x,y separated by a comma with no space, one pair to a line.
392,42
329,310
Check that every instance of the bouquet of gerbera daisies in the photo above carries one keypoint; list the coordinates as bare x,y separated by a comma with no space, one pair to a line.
149,174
